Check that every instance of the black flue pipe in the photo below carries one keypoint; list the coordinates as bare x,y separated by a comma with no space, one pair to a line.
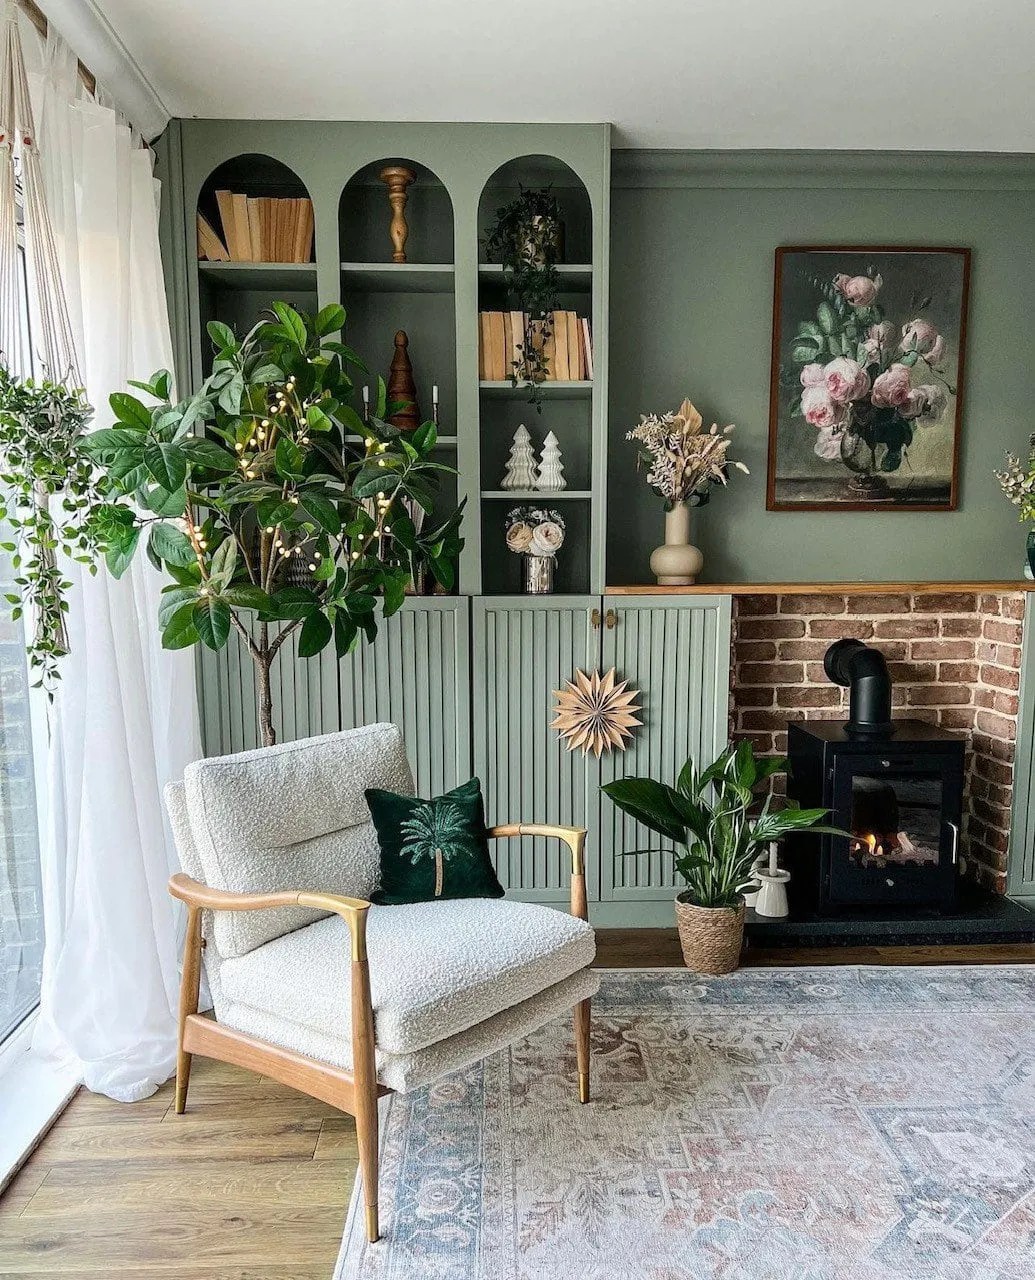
864,672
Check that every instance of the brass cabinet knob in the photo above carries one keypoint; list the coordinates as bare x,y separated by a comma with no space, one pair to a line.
594,619
611,619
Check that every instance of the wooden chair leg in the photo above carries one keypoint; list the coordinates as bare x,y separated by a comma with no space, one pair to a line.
365,1076
582,1011
190,984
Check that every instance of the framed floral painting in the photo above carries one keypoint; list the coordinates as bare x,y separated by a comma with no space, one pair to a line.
867,379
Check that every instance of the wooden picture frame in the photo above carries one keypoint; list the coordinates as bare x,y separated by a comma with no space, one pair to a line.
876,426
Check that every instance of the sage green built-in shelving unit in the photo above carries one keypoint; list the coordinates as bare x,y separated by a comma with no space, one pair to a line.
464,172
470,677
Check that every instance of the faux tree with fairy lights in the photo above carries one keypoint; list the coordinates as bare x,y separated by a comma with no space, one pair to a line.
255,498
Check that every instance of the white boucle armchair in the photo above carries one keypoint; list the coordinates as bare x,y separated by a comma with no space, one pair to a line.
319,989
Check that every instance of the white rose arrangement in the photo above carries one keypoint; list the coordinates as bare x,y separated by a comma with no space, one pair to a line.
534,531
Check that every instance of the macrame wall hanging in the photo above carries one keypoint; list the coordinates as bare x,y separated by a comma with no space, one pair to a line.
43,417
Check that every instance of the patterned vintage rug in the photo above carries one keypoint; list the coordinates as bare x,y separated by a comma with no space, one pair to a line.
788,1124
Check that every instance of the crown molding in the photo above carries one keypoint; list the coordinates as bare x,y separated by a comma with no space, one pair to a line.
894,170
120,78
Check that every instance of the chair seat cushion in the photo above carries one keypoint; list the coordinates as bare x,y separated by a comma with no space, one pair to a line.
404,1072
436,968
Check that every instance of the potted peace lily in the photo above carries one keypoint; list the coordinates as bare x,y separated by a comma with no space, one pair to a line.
707,814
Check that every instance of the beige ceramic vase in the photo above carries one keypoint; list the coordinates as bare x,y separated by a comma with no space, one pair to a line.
678,562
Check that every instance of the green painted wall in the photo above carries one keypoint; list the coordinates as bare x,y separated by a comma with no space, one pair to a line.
692,240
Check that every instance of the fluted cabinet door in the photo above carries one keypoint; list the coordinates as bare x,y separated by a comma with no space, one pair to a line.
416,674
676,652
522,651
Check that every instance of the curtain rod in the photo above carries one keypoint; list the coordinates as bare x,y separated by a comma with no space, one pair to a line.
39,20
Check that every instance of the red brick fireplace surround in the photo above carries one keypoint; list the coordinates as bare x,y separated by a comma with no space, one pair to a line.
954,654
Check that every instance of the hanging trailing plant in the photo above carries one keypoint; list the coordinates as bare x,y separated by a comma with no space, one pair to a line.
525,239
49,500
254,478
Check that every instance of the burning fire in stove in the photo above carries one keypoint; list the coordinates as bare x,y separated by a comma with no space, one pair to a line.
894,846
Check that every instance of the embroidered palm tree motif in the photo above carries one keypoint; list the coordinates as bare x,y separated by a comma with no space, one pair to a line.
436,830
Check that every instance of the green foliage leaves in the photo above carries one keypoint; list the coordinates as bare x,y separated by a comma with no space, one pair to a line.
709,813
255,475
170,545
524,238
49,496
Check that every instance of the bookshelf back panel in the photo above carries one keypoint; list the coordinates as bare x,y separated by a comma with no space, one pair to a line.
242,308
364,216
428,319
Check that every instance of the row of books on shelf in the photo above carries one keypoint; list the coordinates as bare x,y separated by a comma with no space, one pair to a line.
258,229
567,346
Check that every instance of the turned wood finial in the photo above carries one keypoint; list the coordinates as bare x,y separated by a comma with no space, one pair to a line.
401,386
397,178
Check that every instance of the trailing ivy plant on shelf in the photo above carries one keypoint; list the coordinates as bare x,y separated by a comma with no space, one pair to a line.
49,498
252,483
526,240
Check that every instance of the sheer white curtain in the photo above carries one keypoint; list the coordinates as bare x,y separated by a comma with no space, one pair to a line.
124,721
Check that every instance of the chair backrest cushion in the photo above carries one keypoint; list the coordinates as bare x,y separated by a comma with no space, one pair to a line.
291,816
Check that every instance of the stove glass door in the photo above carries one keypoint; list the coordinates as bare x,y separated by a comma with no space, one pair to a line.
903,818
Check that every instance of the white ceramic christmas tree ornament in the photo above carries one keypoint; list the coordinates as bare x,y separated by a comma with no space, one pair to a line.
551,469
521,470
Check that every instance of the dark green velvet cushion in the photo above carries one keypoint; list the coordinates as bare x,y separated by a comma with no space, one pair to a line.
432,848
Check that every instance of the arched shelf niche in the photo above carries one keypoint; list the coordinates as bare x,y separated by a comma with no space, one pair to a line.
565,404
382,297
263,238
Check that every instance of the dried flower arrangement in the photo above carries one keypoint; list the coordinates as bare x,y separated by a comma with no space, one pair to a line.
683,460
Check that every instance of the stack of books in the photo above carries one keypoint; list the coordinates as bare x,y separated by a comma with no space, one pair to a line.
258,230
567,349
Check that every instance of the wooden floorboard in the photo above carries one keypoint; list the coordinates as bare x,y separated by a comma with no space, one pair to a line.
253,1182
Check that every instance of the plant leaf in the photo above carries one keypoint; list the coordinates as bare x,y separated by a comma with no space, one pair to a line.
650,803
314,636
212,621
167,464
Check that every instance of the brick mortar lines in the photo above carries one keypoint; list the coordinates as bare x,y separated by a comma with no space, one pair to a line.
954,659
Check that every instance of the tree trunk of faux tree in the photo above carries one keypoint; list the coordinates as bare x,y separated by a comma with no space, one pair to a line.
263,661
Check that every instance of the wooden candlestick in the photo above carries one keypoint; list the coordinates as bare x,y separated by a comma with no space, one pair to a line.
397,178
401,386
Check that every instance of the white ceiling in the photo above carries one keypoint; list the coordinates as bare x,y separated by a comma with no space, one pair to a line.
953,75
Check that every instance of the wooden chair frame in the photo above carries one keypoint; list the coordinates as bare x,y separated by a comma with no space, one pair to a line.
354,1092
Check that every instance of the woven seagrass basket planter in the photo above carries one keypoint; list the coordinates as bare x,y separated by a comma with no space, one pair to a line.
711,937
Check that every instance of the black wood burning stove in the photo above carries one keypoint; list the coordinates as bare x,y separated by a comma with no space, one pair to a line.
896,786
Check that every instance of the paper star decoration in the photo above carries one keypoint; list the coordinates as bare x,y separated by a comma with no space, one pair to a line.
596,712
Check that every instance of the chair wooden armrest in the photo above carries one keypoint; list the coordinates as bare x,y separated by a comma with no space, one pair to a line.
199,896
574,838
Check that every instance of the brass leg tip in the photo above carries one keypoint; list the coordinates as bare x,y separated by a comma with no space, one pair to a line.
181,1101
583,1086
373,1234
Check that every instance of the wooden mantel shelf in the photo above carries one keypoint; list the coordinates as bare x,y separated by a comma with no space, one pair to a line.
817,588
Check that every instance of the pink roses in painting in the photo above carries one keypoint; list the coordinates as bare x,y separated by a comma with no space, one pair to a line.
865,369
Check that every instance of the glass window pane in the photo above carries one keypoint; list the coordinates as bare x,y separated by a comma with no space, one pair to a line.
21,914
